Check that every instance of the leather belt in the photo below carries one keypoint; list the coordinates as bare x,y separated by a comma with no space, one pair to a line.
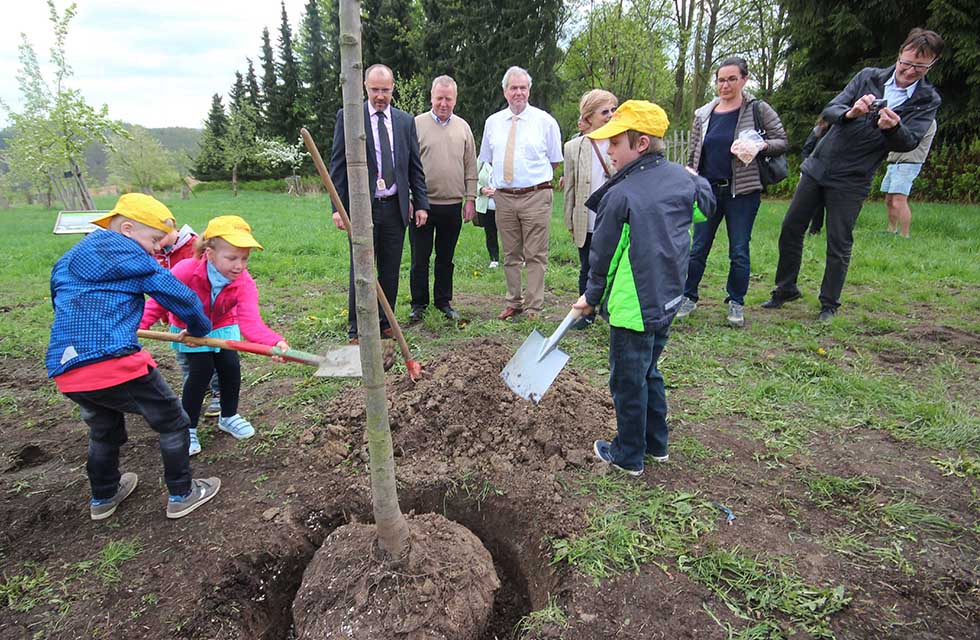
523,190
385,198
721,184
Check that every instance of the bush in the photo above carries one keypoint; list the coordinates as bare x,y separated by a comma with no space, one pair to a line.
275,185
950,174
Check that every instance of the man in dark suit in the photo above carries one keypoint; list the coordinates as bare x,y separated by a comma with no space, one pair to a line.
395,175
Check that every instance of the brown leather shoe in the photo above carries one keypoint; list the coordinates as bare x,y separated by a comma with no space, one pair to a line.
387,333
353,340
509,312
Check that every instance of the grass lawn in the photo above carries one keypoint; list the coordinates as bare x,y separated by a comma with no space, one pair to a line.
769,415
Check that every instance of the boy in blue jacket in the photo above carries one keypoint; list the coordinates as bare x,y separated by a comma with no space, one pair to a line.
97,291
638,260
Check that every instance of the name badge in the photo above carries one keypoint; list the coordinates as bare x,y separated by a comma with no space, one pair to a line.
381,184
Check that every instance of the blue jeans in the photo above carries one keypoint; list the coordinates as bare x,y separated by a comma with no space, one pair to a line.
639,396
739,214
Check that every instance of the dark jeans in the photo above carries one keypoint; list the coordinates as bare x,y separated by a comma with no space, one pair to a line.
443,227
104,412
202,365
639,396
739,214
389,239
583,267
185,370
842,209
490,228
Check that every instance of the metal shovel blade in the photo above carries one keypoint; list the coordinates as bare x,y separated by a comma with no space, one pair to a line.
343,362
538,362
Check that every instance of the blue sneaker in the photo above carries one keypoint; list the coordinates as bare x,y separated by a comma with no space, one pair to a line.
601,448
195,447
237,426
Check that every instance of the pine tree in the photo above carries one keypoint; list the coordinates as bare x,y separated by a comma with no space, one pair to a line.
210,161
288,99
252,86
390,36
238,93
269,86
321,96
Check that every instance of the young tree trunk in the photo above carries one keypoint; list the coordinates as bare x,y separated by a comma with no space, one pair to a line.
391,525
234,180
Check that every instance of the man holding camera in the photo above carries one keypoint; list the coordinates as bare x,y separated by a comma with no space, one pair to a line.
880,110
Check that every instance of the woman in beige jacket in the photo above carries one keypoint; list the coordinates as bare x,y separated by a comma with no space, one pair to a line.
587,167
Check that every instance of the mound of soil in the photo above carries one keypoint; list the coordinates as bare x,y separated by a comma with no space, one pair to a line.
442,588
461,418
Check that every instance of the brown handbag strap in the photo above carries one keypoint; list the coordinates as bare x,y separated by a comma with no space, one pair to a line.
598,154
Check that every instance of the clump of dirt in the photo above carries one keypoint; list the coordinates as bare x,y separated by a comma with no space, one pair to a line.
461,418
442,588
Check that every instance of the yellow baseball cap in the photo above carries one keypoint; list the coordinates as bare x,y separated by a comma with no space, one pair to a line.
233,230
634,115
140,208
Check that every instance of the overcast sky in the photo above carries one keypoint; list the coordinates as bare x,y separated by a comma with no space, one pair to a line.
156,64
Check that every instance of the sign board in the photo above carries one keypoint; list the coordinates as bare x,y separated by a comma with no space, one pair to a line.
77,221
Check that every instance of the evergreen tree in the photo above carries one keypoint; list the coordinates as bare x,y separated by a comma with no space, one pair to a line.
289,106
269,85
210,161
390,35
238,94
321,96
252,87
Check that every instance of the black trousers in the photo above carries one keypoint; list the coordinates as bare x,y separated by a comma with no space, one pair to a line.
201,366
490,229
842,209
104,412
389,240
442,229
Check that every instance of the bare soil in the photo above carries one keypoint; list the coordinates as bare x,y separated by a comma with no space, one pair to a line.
468,449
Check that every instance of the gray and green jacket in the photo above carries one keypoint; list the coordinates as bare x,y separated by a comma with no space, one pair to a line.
641,245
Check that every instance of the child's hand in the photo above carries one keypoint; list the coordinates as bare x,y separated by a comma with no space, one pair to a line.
282,345
585,307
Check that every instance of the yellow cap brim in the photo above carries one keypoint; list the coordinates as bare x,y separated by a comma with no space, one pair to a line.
609,130
240,239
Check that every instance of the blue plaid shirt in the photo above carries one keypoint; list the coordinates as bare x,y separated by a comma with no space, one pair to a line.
97,291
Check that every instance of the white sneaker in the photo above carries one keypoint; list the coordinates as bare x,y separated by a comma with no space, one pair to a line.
237,426
686,308
195,447
494,264
736,316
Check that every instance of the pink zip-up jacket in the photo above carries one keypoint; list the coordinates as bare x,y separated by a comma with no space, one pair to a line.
238,303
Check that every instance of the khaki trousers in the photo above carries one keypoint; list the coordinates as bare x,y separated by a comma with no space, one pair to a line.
524,224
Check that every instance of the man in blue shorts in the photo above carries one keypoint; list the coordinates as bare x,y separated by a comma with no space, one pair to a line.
902,170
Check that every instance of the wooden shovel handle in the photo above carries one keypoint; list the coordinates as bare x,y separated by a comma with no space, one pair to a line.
293,355
339,206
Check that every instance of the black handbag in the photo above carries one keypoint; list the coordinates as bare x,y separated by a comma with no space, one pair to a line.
772,169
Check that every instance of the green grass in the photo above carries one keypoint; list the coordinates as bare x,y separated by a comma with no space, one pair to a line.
113,555
549,617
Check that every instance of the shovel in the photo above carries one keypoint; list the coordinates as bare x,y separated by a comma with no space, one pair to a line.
413,366
538,362
344,362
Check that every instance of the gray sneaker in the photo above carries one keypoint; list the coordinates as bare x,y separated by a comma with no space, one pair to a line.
202,490
214,406
686,308
736,315
100,510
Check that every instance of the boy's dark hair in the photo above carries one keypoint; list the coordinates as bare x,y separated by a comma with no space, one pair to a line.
735,61
924,42
656,144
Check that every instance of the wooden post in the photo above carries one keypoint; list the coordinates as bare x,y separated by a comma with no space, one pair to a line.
391,525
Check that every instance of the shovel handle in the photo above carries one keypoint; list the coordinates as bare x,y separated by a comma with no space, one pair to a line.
562,329
293,355
339,207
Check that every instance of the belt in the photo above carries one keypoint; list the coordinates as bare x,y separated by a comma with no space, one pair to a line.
385,198
721,184
523,190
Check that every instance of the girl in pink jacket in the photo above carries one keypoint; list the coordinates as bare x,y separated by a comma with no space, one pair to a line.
231,300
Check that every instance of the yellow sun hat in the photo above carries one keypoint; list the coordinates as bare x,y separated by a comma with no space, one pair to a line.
233,230
634,115
142,208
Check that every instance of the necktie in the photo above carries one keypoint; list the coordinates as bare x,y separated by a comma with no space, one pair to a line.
509,152
387,171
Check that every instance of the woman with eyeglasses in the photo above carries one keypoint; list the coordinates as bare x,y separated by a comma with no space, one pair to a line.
587,167
735,182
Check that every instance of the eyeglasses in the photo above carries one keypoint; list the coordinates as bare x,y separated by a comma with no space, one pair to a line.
374,91
729,80
915,65
606,112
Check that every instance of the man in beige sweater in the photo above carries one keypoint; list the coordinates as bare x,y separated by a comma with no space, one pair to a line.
449,162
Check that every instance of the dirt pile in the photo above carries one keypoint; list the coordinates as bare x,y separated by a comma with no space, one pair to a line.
443,588
461,418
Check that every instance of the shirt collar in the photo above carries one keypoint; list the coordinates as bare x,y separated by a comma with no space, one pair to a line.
909,90
374,111
441,122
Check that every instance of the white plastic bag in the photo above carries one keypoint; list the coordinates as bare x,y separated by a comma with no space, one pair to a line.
747,145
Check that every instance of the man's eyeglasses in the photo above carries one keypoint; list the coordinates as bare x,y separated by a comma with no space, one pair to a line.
375,91
915,65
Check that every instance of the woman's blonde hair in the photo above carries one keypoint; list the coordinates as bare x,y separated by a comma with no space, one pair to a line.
594,99
200,245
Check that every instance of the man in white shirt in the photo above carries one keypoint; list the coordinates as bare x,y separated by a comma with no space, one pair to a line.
523,143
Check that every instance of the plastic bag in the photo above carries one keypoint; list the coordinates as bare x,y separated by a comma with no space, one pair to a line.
747,145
